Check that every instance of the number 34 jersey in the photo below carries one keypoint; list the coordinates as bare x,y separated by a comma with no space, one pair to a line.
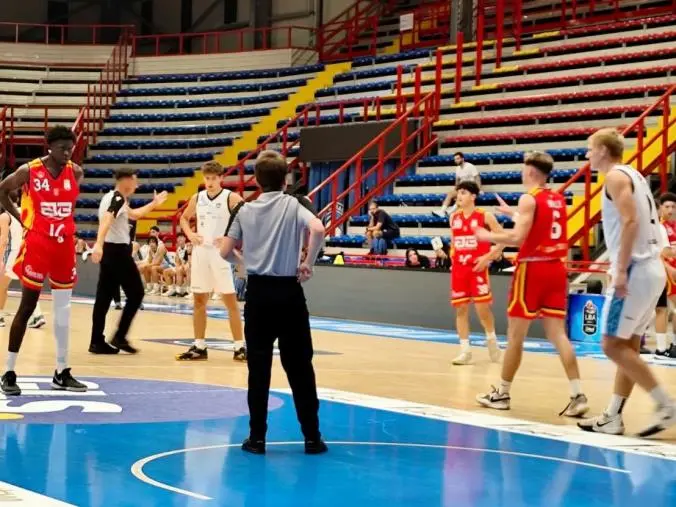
48,203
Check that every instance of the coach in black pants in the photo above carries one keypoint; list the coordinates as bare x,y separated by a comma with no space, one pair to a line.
113,251
272,229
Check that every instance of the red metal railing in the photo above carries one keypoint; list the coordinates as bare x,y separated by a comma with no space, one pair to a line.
59,34
4,138
102,95
424,109
229,41
431,26
79,128
639,129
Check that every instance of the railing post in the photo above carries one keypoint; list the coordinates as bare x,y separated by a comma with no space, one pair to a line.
438,77
587,218
639,146
500,18
664,159
479,47
517,24
418,83
459,41
400,76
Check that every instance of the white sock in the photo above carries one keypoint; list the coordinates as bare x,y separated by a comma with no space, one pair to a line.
201,343
616,405
660,396
61,312
504,387
11,360
661,341
239,344
38,311
491,336
464,346
575,387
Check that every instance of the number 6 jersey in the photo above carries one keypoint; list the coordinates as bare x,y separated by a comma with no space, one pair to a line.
548,235
48,203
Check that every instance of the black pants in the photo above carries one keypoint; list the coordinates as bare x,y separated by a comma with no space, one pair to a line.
117,269
275,309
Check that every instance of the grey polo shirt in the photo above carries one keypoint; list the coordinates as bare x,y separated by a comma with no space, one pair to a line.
120,229
272,229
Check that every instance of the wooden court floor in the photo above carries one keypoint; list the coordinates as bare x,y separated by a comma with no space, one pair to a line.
394,368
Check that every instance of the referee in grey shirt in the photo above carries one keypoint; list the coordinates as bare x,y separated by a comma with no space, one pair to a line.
272,230
113,251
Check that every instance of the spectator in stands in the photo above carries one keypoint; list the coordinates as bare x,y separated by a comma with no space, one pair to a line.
380,225
174,276
415,260
442,260
464,172
80,245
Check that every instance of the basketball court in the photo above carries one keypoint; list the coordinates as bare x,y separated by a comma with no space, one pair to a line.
400,421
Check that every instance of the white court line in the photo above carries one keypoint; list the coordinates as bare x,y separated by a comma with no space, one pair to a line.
562,433
137,468
14,495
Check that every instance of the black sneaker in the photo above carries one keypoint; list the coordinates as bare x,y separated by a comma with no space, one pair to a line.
315,447
645,351
9,386
254,446
193,354
240,354
2,321
64,381
118,306
123,345
102,348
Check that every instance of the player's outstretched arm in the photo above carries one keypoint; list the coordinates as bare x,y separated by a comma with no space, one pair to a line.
522,225
13,182
494,226
78,172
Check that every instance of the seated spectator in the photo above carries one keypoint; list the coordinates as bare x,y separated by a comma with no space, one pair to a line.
80,244
380,225
442,261
415,260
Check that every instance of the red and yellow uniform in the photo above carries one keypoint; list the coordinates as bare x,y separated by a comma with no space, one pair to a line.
47,212
670,226
540,282
466,285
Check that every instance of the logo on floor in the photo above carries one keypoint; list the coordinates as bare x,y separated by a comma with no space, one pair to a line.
219,344
115,400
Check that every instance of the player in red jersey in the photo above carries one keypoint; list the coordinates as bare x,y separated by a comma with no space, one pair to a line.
667,210
540,282
469,272
49,187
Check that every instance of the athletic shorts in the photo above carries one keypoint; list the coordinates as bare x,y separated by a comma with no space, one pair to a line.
42,257
539,289
209,272
631,315
663,301
468,286
10,259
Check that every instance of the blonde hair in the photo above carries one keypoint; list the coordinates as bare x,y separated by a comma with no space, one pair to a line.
212,167
611,139
542,161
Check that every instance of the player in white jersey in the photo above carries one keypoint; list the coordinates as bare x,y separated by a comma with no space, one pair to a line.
632,234
11,235
212,208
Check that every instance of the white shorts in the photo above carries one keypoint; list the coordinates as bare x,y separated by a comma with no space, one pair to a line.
10,259
209,272
630,316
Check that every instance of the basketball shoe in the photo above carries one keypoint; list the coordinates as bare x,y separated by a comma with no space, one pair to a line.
665,417
577,407
64,381
193,354
9,385
604,423
494,399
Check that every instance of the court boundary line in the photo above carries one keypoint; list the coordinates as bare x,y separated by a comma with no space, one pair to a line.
562,433
137,468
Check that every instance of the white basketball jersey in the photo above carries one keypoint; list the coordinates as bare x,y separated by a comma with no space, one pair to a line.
647,243
15,233
213,215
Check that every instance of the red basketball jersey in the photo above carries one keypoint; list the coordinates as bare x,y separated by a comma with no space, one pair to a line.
465,248
548,236
670,226
48,203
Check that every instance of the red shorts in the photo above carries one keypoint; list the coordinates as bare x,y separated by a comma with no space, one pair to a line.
539,289
671,287
468,286
41,257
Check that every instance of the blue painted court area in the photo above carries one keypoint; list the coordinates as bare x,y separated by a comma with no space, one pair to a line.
150,443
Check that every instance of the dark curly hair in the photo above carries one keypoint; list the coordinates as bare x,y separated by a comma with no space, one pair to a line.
59,133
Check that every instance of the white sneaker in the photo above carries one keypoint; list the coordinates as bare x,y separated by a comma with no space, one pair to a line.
493,351
494,399
37,322
441,213
170,292
463,358
604,423
577,407
665,417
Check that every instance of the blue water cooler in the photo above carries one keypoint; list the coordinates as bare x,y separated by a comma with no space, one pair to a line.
584,317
